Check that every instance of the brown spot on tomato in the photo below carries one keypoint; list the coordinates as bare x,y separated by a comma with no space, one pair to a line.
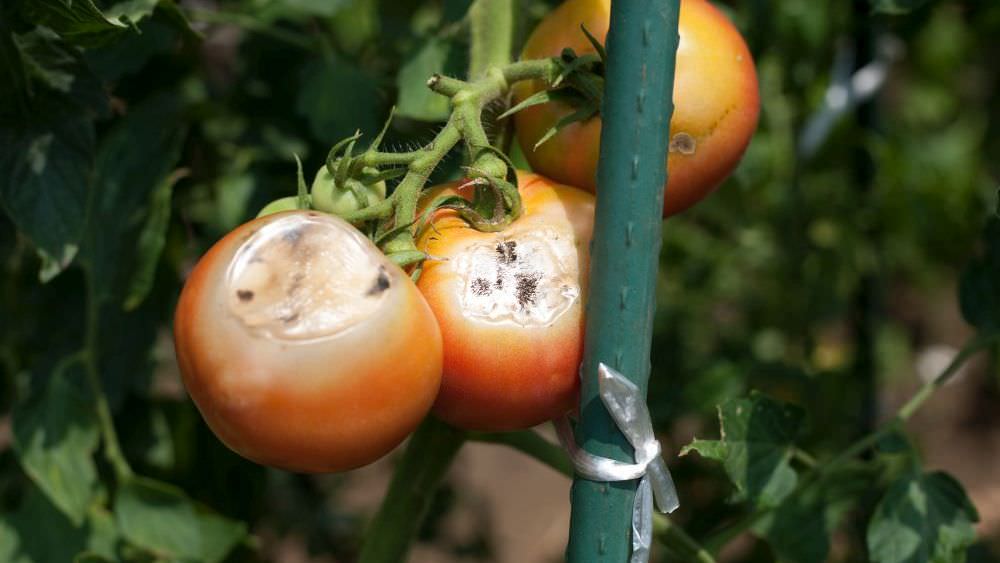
683,143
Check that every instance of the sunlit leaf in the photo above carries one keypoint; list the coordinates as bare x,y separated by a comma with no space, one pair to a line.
758,434
923,518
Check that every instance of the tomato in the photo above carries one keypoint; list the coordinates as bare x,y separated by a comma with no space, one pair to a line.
510,305
341,200
303,347
716,102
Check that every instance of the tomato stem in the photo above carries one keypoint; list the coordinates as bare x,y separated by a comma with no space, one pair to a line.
428,455
468,98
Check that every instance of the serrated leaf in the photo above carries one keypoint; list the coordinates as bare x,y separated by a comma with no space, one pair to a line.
47,144
979,288
896,6
337,98
161,518
923,518
758,437
416,100
55,436
799,529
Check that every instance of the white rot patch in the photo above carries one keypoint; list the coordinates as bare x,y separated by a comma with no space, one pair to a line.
305,276
528,279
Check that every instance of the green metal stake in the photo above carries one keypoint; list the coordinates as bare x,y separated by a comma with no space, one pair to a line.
641,48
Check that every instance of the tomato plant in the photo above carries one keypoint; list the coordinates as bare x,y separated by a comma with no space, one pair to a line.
510,305
303,347
716,102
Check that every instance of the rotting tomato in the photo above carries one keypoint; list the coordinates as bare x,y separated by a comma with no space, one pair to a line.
303,347
510,305
716,102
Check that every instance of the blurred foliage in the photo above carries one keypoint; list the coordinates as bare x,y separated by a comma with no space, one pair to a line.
134,134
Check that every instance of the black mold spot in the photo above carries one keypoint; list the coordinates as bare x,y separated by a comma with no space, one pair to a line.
507,252
381,283
481,286
527,288
244,295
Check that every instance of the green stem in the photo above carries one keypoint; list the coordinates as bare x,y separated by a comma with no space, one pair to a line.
491,35
427,457
531,444
112,447
678,542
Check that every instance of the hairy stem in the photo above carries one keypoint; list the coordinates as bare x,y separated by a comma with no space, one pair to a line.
491,35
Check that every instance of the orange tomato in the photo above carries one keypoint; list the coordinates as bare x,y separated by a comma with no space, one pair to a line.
716,102
510,305
303,347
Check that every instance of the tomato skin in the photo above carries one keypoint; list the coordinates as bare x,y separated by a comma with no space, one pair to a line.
508,375
716,102
322,403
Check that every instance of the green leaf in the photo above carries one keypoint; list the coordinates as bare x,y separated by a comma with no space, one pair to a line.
83,23
37,531
799,528
416,100
758,435
150,243
133,160
979,288
47,143
55,436
337,98
896,6
923,517
132,51
160,518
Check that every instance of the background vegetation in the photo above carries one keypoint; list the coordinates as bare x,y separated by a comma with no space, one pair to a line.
828,272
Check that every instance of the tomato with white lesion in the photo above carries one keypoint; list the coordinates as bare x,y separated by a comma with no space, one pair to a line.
510,305
303,347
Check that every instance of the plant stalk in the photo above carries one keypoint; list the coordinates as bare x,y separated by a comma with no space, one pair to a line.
428,455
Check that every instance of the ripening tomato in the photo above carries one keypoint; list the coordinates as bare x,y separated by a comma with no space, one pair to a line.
510,305
304,347
716,102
